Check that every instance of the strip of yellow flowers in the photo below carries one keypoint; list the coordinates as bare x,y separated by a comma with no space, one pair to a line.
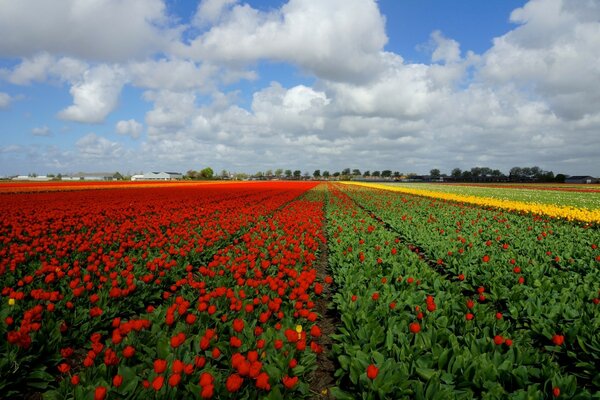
564,212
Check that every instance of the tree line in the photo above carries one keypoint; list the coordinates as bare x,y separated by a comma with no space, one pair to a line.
475,174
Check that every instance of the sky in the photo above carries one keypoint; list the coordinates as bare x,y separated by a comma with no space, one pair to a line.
246,86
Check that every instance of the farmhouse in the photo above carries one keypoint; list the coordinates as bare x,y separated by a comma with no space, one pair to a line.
158,176
581,179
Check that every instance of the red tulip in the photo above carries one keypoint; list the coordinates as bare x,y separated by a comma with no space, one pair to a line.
372,370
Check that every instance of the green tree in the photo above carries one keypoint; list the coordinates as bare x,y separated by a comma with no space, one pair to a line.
456,173
376,173
278,172
386,173
317,173
207,173
435,174
367,173
356,172
191,174
288,173
297,174
325,174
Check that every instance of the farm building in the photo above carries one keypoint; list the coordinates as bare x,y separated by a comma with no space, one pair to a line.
38,178
581,179
158,176
91,176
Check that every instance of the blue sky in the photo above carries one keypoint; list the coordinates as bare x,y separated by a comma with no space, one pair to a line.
404,85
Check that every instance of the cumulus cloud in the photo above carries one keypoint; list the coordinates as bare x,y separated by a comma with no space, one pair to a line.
94,147
41,131
129,128
553,52
446,50
293,110
171,109
210,11
110,30
5,100
95,96
319,36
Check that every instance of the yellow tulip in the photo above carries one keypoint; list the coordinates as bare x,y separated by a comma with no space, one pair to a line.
564,212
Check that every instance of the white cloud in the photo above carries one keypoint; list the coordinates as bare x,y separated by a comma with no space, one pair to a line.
210,11
171,109
109,30
553,52
129,128
446,50
95,96
5,100
319,36
41,131
295,110
94,147
172,74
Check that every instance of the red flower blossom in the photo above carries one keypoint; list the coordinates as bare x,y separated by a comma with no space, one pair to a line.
315,331
64,368
289,382
160,366
100,393
174,380
558,340
158,382
238,325
414,327
233,383
128,351
216,353
262,381
372,371
117,380
208,391
206,379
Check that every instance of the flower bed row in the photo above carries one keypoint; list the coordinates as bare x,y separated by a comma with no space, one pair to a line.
542,274
410,332
566,212
73,262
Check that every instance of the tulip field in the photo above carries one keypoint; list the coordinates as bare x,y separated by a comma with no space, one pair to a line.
249,290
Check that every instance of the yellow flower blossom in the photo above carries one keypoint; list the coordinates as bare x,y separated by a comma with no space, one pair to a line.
11,302
564,212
